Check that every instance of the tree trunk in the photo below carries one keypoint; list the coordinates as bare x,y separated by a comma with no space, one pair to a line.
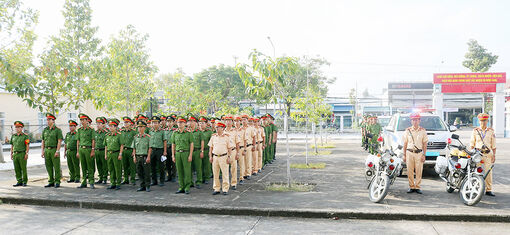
306,142
315,137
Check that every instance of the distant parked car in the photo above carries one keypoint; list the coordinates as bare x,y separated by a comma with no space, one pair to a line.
384,120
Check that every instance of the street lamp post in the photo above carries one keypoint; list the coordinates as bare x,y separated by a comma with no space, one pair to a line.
274,93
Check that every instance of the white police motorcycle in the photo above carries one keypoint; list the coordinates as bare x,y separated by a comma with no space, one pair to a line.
460,171
381,170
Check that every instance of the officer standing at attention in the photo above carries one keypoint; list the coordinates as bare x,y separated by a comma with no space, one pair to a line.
484,139
113,154
220,146
86,153
169,164
19,154
182,154
126,138
235,151
204,150
375,131
50,148
73,163
197,143
158,144
415,145
141,156
241,162
99,136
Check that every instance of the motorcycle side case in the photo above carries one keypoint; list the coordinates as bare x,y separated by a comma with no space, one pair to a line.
441,165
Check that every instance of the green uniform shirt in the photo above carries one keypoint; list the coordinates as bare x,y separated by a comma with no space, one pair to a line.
70,140
127,136
274,128
19,142
50,136
168,134
375,130
141,144
85,136
206,136
197,138
157,138
112,141
182,140
99,136
267,130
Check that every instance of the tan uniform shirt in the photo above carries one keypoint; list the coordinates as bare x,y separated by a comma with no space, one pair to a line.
240,135
261,134
220,144
249,134
420,138
489,138
234,137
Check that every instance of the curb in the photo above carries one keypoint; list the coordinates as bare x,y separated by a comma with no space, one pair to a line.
257,212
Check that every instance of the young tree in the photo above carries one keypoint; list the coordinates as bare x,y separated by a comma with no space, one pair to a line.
124,78
478,59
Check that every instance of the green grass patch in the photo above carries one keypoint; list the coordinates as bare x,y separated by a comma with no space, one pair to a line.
319,153
319,165
294,187
326,146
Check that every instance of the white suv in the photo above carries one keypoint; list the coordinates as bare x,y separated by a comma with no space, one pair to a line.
437,131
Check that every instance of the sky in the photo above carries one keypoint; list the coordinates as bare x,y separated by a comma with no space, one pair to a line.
368,43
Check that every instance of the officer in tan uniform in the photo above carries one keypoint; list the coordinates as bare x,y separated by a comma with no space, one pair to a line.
241,162
235,151
261,138
484,139
250,139
415,145
220,150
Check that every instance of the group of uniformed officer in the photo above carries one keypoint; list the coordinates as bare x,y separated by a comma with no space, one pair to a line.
172,147
370,131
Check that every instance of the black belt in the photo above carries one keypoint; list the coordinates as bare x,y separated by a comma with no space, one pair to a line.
484,151
127,148
233,149
141,155
99,149
85,147
221,155
157,148
116,151
248,145
414,150
181,151
48,147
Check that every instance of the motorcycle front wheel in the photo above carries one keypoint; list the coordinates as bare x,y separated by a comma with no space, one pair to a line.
379,188
471,191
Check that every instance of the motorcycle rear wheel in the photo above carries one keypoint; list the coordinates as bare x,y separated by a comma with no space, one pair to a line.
379,188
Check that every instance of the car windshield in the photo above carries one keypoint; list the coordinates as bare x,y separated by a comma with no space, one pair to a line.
430,123
384,121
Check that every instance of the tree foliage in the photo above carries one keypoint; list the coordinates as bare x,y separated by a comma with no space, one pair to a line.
124,77
478,59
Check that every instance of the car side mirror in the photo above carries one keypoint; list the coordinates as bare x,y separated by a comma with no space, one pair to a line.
455,136
399,147
453,128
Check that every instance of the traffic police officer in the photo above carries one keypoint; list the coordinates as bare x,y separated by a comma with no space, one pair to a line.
415,146
197,143
484,139
73,163
220,146
169,164
141,156
19,154
50,147
204,150
235,151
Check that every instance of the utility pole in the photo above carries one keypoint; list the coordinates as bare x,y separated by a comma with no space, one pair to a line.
274,84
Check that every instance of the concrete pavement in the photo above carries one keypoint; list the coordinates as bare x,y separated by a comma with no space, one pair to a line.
340,192
51,220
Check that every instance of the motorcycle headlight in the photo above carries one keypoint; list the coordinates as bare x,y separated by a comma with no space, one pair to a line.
386,157
477,158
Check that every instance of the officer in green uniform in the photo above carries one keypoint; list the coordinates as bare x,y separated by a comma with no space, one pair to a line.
50,148
146,120
113,150
169,164
126,138
158,143
363,126
99,136
141,153
204,149
274,136
19,154
375,131
182,154
268,132
86,152
73,163
197,143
